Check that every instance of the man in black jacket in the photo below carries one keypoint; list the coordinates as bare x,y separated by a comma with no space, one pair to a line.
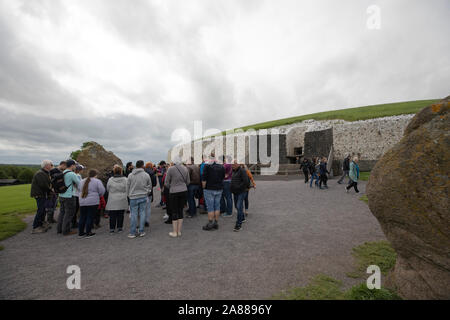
345,169
40,190
304,166
239,185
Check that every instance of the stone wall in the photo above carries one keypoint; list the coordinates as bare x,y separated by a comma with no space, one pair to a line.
369,139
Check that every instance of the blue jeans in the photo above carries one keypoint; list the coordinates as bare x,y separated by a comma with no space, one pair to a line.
239,201
192,189
314,176
148,209
246,200
212,199
137,208
226,201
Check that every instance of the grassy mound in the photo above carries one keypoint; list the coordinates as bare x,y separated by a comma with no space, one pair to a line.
352,114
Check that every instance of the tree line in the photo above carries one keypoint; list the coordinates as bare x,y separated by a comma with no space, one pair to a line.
23,173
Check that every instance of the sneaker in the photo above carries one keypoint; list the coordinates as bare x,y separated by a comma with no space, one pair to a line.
244,221
346,190
179,234
215,225
209,226
226,215
90,235
81,236
111,232
131,236
119,230
237,228
142,234
173,234
38,230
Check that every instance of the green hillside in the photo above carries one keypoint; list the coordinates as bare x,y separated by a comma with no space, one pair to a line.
352,114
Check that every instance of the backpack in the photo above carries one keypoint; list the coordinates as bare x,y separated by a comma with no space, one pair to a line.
58,183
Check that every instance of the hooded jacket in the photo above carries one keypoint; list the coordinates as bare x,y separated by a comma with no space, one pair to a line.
117,193
239,181
139,184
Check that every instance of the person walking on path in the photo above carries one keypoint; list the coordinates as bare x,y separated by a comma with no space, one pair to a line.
313,172
91,189
76,194
345,169
117,199
177,181
252,185
240,183
139,185
354,175
41,191
226,201
53,201
323,173
67,200
304,166
148,208
212,182
193,188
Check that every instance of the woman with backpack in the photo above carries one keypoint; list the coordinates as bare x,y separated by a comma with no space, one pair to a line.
353,175
117,199
176,181
91,191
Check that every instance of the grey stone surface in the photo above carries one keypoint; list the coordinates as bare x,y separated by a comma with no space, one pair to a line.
293,233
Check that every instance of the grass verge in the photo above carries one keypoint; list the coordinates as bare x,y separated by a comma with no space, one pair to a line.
323,287
364,198
364,176
16,203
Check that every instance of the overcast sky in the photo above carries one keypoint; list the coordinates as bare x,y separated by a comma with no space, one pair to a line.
128,73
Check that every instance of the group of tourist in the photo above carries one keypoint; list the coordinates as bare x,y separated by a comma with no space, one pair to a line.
217,186
315,170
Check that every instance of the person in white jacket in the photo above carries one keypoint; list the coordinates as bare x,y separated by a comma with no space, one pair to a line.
117,199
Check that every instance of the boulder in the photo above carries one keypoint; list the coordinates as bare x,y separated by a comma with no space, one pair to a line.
408,194
94,156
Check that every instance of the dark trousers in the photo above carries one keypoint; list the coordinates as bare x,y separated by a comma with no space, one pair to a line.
97,217
177,203
239,203
161,202
66,212
323,179
77,207
192,190
246,200
40,213
226,202
87,214
306,174
116,219
344,174
353,184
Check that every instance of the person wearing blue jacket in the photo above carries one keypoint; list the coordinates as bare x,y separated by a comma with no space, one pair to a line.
354,175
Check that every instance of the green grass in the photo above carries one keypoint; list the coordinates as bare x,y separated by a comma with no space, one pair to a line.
352,114
16,199
323,287
378,253
364,198
15,204
364,175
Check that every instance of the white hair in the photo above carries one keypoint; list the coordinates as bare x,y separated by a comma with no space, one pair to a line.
355,158
46,163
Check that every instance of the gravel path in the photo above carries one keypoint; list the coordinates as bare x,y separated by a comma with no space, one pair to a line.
292,234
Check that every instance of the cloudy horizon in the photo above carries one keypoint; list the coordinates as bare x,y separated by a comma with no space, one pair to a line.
127,74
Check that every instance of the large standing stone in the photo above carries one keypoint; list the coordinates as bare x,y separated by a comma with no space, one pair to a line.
94,156
408,194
